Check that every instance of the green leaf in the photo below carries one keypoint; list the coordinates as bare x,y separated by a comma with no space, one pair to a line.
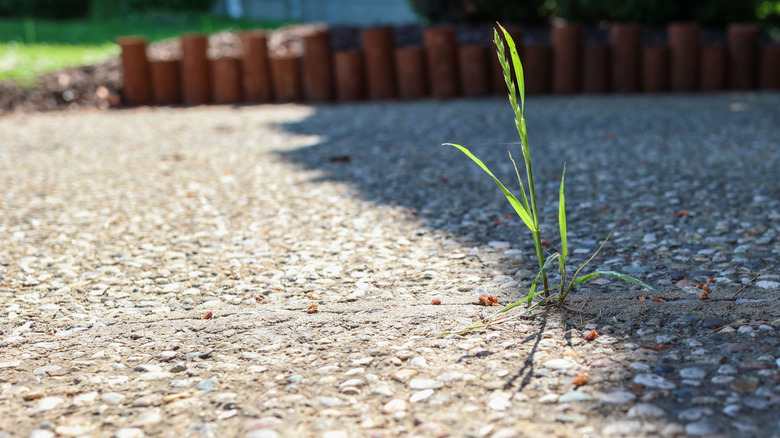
516,204
522,186
562,217
518,68
624,277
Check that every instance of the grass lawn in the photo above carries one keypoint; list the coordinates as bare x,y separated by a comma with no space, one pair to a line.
29,48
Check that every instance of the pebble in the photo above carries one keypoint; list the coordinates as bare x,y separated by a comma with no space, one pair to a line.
701,428
558,364
420,395
498,403
129,432
617,398
394,406
693,414
75,426
574,396
208,385
623,428
263,433
693,373
149,417
645,411
404,374
653,381
48,403
112,397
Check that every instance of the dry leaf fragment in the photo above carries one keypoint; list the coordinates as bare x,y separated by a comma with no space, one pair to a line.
208,315
310,296
704,295
581,379
436,302
590,336
657,347
659,300
312,309
259,299
488,300
642,298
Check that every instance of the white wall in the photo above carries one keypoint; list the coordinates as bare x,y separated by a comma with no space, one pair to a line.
358,12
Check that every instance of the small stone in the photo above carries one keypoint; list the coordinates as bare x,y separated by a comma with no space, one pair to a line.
574,396
147,369
727,369
329,402
42,433
267,422
263,433
757,403
420,395
75,426
731,410
645,411
363,361
48,403
623,428
33,394
693,414
701,428
693,373
394,406
418,383
548,398
653,381
713,322
617,398
129,432
46,370
419,362
558,364
208,385
295,378
499,403
499,244
149,417
404,374
112,397
352,383
86,398
766,284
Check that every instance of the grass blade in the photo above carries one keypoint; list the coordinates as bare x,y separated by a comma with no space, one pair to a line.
623,277
562,217
516,204
518,68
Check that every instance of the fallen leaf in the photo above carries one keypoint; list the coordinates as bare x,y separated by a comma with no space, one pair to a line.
704,295
581,379
208,315
259,299
642,298
590,336
659,300
657,347
436,302
682,213
312,309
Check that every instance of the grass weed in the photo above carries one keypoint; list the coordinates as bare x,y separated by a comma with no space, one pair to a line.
526,205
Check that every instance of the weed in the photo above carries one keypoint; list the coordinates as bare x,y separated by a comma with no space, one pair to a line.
526,207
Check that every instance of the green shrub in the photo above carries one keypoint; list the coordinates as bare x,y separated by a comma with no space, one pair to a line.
481,11
117,8
708,13
57,9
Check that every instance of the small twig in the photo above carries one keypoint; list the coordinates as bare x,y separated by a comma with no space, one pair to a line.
742,323
746,285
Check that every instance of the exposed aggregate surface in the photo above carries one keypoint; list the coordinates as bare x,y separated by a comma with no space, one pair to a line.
123,230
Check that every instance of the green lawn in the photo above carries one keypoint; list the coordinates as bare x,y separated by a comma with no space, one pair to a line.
29,48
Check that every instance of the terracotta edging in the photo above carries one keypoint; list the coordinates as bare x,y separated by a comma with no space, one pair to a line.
411,73
379,59
443,69
137,88
165,80
194,70
256,69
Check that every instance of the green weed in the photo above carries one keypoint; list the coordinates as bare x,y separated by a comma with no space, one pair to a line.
526,206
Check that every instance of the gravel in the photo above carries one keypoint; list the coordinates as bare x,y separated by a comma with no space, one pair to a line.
159,263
